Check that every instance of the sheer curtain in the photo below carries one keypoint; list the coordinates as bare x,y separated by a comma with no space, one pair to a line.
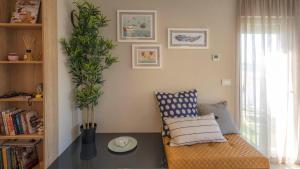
269,117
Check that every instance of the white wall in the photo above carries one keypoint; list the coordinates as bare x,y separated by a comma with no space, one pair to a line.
128,104
68,116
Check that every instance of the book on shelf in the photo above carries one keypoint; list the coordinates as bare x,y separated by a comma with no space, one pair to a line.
1,156
19,154
18,121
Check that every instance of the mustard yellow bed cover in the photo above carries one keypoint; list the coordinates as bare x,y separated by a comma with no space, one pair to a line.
234,154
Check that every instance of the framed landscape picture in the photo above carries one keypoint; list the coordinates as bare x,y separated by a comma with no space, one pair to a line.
182,38
136,25
146,56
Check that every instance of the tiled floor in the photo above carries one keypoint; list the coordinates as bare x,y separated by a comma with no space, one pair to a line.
276,166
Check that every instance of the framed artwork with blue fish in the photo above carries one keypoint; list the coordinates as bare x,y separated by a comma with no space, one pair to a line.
192,38
137,25
146,56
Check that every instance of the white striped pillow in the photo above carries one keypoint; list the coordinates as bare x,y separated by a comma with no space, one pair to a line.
193,130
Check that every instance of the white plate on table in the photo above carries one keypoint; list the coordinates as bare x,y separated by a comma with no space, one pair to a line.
113,144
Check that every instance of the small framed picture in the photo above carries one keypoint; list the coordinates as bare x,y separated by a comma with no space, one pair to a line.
26,11
137,26
146,56
182,38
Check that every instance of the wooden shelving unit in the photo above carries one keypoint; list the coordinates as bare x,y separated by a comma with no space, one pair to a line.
39,166
22,76
20,26
20,99
23,137
21,62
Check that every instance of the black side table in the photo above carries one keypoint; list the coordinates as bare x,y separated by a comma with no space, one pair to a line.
148,154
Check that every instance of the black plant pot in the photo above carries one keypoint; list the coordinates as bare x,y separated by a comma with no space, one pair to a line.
88,134
88,151
88,146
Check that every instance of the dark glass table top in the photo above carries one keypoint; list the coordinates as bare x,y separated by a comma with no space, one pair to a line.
148,153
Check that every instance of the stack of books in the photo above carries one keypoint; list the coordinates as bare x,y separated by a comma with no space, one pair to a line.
19,154
18,121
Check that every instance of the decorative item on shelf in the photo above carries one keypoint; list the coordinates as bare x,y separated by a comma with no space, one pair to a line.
28,55
26,11
12,57
29,41
40,129
34,121
39,91
88,58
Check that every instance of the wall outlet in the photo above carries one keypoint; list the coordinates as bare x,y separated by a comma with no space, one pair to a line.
215,57
226,82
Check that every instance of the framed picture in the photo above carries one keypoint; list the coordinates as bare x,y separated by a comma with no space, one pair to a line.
137,26
26,11
182,38
146,56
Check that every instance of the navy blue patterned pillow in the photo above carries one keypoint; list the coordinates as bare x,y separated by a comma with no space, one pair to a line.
181,104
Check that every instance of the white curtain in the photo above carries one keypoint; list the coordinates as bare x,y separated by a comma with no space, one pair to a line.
269,117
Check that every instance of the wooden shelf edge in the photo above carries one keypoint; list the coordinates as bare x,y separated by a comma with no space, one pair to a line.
21,25
26,137
39,166
19,99
20,62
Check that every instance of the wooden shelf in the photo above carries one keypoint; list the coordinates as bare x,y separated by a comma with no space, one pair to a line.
39,166
24,76
21,62
19,99
23,136
21,25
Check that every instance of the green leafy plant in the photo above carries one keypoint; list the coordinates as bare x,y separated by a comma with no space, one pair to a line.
89,54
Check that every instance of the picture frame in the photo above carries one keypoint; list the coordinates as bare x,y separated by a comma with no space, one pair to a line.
26,11
146,56
188,38
137,26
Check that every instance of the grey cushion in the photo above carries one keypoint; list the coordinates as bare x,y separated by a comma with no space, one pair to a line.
223,117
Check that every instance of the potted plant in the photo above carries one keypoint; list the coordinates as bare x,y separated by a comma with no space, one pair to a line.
89,54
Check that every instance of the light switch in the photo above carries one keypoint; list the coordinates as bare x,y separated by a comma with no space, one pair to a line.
226,82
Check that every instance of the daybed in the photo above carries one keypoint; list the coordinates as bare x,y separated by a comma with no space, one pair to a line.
234,154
